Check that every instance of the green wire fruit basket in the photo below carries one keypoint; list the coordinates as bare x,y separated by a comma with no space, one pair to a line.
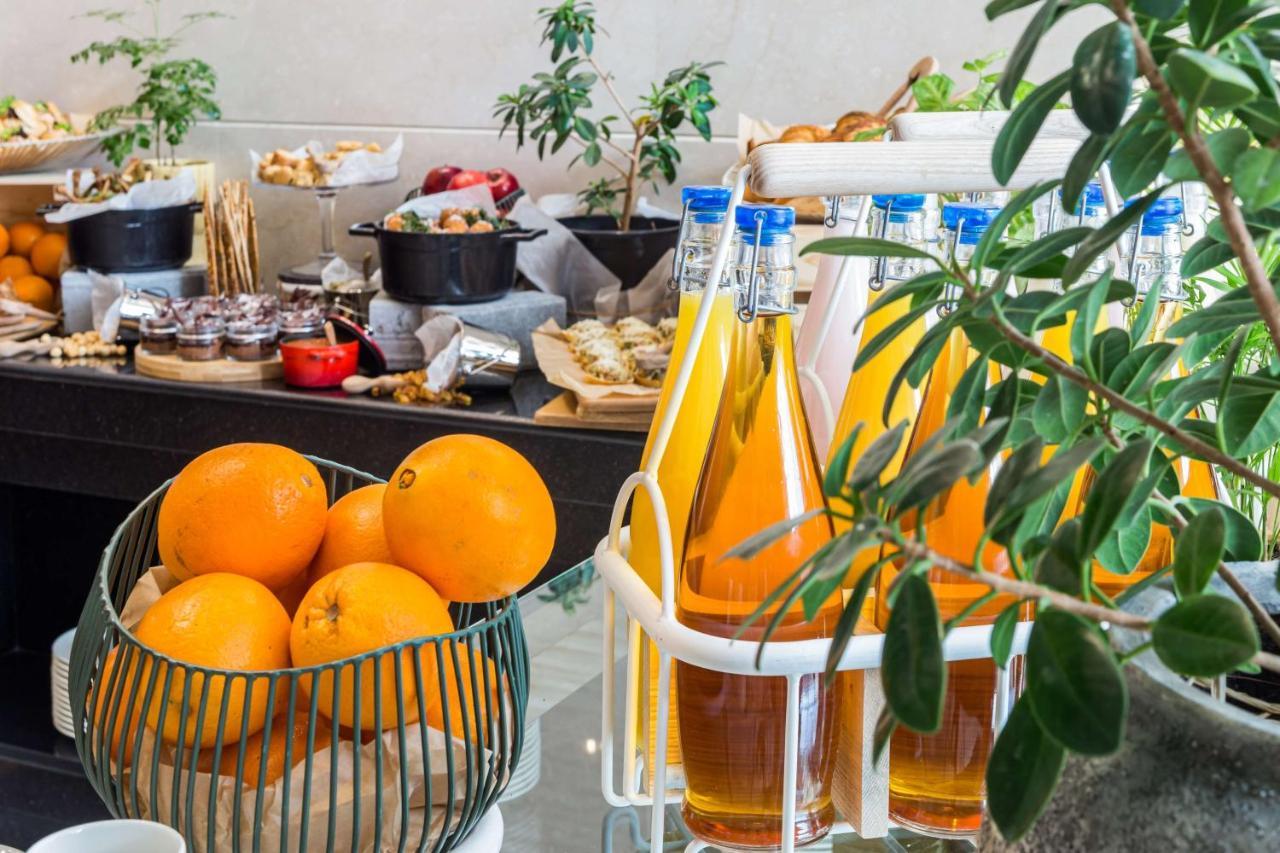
389,782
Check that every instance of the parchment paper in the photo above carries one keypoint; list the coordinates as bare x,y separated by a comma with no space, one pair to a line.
555,360
147,195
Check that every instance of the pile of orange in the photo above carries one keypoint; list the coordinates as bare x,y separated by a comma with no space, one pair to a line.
31,260
271,576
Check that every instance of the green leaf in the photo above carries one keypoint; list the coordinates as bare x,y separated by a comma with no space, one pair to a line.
1081,336
1139,157
848,621
1197,552
838,467
1250,420
1020,464
1060,566
1204,255
868,247
879,453
1208,81
1111,491
1205,636
1022,772
934,473
889,333
933,93
912,668
1142,368
1224,147
1002,634
1229,313
1243,544
1102,73
996,8
830,569
965,406
757,542
1048,246
1162,9
886,724
1211,21
1084,164
1023,124
1074,685
1059,410
1091,247
1256,178
1016,66
1125,546
1110,347
991,238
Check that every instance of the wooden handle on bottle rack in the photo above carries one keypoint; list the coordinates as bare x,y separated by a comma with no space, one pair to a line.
932,166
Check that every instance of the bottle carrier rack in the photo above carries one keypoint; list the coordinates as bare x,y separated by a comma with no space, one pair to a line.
402,786
940,153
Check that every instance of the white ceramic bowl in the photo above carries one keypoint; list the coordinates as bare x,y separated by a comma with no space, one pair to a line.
113,836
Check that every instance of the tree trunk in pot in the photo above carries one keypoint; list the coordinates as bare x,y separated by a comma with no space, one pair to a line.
1193,774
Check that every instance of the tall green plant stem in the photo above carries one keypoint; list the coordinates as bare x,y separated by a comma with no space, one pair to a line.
1264,295
633,156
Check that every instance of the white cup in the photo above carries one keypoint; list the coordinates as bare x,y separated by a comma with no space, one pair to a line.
113,836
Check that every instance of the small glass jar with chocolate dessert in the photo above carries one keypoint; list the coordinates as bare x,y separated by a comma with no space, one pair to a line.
158,335
295,325
251,340
201,339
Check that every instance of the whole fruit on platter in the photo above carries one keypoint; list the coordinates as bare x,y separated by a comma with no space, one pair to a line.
352,533
437,180
471,516
501,183
466,178
257,510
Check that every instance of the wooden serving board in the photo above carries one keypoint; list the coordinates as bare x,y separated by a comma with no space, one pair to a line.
223,370
566,411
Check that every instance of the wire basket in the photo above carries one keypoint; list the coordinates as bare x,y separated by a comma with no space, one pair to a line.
171,741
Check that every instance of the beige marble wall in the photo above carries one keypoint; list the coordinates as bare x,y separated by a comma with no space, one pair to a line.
332,69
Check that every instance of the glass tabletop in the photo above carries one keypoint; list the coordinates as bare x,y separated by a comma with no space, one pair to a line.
554,802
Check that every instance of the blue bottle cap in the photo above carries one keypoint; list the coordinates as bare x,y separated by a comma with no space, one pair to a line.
1165,211
975,219
902,203
1092,200
774,220
706,198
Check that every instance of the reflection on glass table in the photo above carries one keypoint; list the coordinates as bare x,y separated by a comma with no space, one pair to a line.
554,802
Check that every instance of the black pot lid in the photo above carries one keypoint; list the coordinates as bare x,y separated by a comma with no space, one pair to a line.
372,361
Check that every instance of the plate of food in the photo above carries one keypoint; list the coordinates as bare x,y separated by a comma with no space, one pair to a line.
40,135
348,163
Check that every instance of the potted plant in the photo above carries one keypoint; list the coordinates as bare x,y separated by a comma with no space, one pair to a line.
552,110
1096,669
173,96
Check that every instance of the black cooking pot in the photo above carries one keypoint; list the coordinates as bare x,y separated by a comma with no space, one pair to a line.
448,268
132,240
630,254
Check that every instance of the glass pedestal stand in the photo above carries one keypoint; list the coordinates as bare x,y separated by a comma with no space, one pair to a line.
327,203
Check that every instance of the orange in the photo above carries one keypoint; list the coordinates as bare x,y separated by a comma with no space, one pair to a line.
291,594
14,267
252,509
220,621
280,730
34,290
23,235
471,516
4,241
112,708
357,609
46,254
352,533
466,700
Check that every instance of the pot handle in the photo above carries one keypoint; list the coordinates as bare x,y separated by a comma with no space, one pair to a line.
195,206
46,209
363,229
523,236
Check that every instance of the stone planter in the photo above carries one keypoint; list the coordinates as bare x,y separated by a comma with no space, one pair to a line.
1193,774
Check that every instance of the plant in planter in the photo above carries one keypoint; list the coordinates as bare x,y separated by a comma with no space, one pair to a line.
174,93
552,110
1124,409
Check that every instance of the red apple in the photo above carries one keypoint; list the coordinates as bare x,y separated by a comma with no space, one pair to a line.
437,180
501,183
466,178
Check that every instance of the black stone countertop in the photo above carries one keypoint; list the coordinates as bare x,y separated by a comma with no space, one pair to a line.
107,432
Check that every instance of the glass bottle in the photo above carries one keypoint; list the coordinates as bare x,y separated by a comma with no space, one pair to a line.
901,218
703,219
936,782
761,468
831,364
1090,212
1155,272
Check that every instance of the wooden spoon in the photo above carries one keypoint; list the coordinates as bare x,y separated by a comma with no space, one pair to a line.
364,384
926,66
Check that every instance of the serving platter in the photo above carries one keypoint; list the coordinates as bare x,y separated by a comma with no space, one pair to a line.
50,154
220,370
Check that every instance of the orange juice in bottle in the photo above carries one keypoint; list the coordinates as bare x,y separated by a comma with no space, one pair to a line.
1156,275
761,468
900,218
936,782
703,220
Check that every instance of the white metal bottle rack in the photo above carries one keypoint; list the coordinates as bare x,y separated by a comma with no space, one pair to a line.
946,153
